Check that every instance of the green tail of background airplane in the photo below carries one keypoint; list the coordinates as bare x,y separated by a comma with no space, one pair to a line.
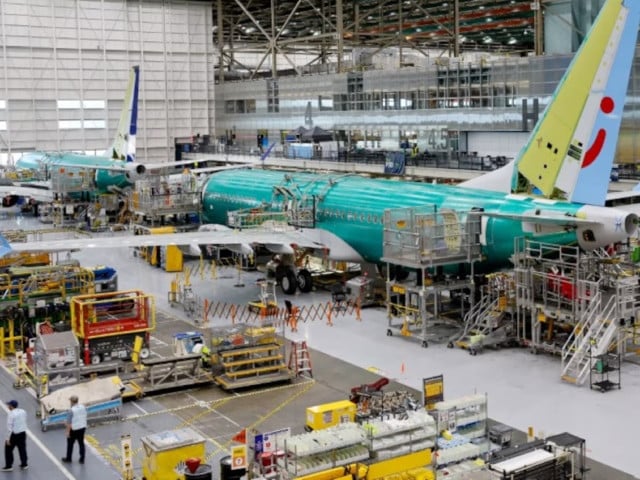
117,168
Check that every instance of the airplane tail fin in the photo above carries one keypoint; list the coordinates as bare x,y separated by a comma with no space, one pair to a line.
570,152
124,143
5,248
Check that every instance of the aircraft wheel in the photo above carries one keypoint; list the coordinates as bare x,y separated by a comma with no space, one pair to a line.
450,345
305,282
425,344
389,333
289,283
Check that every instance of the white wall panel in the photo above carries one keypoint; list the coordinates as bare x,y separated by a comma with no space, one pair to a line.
81,50
506,144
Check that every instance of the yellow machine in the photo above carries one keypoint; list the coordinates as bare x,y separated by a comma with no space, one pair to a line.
267,304
25,259
413,466
330,414
339,473
165,453
169,258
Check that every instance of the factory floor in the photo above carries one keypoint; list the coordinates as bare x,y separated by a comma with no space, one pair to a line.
523,389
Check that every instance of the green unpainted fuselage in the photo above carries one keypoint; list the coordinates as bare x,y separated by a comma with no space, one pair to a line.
44,163
352,206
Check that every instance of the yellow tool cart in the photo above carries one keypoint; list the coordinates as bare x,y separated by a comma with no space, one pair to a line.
167,452
330,414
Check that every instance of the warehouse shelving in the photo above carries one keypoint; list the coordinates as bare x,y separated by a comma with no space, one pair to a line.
465,419
400,434
324,449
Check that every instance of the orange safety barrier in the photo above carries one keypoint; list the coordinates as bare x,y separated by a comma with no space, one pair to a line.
280,316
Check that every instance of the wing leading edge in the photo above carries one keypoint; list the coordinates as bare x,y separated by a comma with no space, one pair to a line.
233,239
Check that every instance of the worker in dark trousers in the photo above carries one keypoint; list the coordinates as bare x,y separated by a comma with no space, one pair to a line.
76,426
16,436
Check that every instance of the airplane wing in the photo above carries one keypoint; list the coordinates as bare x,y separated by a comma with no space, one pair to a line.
37,193
154,167
284,241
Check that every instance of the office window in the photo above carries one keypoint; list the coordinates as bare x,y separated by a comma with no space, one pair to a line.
94,124
69,124
88,104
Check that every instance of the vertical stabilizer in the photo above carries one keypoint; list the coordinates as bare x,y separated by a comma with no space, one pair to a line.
570,152
124,144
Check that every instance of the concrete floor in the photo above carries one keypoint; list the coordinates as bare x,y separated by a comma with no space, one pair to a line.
524,390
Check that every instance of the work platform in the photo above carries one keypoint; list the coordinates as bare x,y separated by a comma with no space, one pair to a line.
429,241
162,200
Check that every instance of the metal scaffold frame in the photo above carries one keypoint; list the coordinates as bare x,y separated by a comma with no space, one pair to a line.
167,200
428,241
574,304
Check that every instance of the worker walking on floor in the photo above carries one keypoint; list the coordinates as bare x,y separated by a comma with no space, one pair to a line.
16,436
76,425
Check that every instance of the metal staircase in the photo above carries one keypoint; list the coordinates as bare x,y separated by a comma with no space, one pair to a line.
473,316
591,337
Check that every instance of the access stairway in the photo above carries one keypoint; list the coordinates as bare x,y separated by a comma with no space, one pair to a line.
591,337
484,325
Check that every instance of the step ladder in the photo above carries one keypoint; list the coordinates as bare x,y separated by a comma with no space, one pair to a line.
299,359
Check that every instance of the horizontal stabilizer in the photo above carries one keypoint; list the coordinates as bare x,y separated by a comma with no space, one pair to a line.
543,218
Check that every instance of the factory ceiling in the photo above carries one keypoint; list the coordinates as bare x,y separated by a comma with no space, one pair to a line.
327,27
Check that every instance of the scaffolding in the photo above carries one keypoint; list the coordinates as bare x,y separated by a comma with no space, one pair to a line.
432,243
161,200
574,304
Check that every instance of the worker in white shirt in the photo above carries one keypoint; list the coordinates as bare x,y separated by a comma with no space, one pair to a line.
16,436
76,425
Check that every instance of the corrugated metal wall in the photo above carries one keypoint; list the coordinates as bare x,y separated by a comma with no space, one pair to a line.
80,51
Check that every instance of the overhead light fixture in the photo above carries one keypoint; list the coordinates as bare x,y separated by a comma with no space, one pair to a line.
487,39
512,41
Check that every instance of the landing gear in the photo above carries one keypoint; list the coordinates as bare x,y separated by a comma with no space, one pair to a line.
305,282
425,344
288,282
